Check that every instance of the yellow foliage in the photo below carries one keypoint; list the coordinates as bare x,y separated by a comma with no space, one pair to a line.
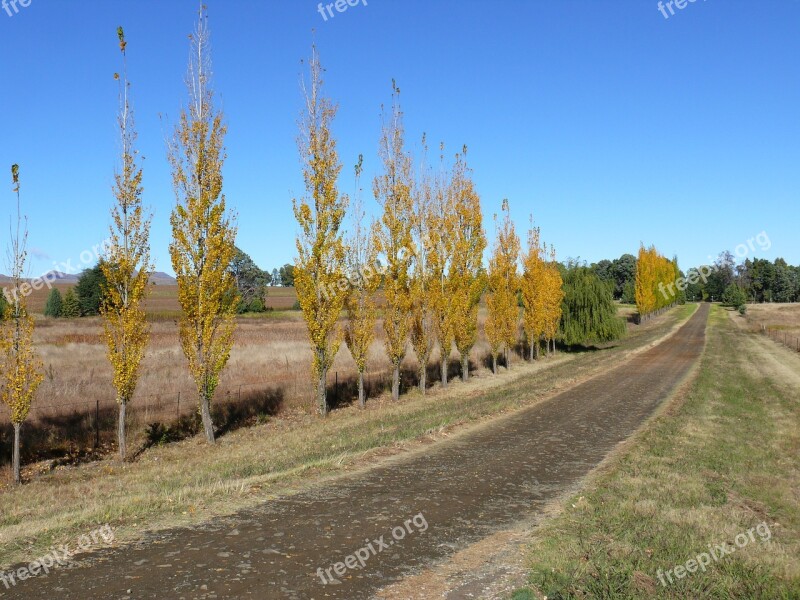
424,280
319,276
502,321
393,191
203,235
467,279
127,265
655,281
20,367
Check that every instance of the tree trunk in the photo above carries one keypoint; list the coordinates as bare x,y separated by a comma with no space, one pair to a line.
15,459
553,341
536,350
465,367
396,382
423,377
508,358
205,412
123,447
494,363
322,392
362,397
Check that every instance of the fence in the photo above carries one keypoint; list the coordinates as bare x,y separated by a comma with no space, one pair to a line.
69,431
788,339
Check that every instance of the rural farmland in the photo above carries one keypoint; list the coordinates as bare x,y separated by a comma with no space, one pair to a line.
399,301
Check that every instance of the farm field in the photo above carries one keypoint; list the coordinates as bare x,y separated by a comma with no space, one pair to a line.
195,482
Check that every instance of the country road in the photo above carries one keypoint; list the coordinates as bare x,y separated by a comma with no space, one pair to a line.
399,517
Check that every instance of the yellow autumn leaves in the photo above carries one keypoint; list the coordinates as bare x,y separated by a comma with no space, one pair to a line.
21,367
126,266
539,288
655,282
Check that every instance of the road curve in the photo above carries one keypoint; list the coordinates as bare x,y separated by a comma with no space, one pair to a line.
397,518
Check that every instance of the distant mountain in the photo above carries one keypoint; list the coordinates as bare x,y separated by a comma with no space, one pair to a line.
157,278
161,278
55,276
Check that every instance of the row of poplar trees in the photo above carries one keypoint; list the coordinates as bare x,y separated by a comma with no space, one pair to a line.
202,247
656,278
424,256
201,250
537,290
424,253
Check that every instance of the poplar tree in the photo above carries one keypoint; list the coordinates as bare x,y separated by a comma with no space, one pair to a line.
423,329
22,369
362,259
503,281
533,286
203,235
439,257
656,277
467,277
393,191
321,251
127,265
553,297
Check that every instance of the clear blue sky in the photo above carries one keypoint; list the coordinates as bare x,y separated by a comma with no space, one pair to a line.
610,123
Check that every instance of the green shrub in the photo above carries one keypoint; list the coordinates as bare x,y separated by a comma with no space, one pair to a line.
55,304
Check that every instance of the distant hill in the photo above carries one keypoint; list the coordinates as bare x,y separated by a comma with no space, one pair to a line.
157,278
161,278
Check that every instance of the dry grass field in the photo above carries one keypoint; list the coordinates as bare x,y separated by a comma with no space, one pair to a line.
784,317
163,299
268,372
175,483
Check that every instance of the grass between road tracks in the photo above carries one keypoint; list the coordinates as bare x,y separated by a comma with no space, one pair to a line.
189,482
719,460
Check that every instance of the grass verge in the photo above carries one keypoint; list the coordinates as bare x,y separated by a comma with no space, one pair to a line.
720,460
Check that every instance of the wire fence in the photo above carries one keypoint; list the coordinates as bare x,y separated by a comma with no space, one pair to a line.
787,338
83,427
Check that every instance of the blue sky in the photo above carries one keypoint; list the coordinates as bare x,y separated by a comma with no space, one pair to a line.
610,123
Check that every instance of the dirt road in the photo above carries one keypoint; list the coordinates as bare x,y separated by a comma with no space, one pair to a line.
397,518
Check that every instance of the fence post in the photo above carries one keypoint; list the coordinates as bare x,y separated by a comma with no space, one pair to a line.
239,399
97,424
336,388
178,412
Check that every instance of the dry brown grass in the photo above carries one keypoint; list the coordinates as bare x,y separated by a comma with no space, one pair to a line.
785,317
190,481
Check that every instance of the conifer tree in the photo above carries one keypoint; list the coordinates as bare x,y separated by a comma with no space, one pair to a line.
55,304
